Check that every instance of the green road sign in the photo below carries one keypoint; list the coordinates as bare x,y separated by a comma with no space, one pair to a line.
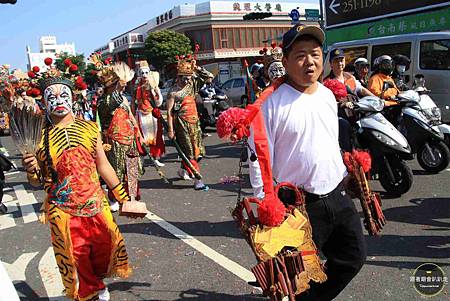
312,15
424,22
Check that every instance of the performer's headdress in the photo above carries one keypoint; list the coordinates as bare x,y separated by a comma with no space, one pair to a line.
36,80
142,64
185,65
274,54
104,70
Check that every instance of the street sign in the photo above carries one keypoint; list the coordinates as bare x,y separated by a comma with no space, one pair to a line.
295,16
312,15
345,12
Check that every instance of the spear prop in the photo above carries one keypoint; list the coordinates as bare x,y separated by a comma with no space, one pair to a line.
183,157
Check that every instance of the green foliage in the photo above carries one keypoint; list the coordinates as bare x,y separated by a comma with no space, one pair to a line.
90,76
76,59
161,47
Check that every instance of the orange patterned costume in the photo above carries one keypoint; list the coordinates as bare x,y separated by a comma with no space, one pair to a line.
86,241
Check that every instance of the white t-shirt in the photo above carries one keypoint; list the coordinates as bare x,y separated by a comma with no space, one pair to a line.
302,131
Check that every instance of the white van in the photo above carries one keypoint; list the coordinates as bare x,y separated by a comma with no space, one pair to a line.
429,54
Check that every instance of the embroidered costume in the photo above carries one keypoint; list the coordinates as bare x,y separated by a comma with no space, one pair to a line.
119,128
147,93
86,241
186,123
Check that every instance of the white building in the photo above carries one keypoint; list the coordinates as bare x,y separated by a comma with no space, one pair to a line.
217,27
48,47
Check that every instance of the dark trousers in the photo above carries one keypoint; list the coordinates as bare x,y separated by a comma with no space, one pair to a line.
345,135
337,232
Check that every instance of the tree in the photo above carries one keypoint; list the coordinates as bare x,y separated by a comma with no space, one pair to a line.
161,47
75,59
90,76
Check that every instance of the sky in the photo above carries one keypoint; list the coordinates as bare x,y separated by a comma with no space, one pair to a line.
87,23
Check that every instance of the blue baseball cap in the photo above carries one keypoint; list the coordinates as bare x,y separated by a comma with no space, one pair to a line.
336,53
301,30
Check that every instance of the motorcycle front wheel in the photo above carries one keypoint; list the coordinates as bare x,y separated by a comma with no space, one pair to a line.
402,180
441,155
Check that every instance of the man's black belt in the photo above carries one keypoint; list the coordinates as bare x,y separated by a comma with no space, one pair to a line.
312,197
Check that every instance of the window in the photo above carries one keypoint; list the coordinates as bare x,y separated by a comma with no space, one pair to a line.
230,38
391,50
435,55
243,39
238,83
227,84
236,41
223,38
351,54
216,39
249,37
140,38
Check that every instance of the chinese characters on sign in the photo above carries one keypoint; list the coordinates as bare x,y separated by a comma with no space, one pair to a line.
247,6
404,26
164,17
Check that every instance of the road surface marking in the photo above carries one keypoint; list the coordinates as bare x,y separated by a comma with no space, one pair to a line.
51,278
7,220
26,201
223,261
6,286
12,173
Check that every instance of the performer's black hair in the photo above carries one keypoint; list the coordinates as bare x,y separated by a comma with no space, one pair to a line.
48,156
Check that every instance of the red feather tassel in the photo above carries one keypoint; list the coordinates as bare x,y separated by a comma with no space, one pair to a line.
271,211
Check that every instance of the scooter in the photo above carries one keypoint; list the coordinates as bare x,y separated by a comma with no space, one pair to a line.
430,109
387,146
212,108
425,139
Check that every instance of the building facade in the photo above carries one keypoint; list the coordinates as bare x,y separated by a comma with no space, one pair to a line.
217,27
48,47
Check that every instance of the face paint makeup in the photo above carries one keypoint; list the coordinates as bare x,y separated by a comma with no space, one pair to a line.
58,98
276,70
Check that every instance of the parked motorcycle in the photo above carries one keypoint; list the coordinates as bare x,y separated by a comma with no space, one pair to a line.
387,146
425,139
211,109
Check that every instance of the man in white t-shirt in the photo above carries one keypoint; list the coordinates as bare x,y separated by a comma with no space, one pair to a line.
301,125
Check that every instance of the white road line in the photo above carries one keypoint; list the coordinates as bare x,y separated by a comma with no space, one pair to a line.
223,261
448,169
51,278
6,286
6,189
12,173
7,220
26,201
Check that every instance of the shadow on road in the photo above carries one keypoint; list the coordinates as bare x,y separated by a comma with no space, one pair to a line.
427,212
196,229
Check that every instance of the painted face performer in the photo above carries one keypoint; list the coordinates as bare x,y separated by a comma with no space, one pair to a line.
273,67
149,99
119,127
87,243
182,117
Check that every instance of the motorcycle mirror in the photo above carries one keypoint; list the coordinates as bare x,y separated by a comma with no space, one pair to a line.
387,85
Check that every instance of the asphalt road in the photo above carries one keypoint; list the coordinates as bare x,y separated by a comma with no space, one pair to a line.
190,249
